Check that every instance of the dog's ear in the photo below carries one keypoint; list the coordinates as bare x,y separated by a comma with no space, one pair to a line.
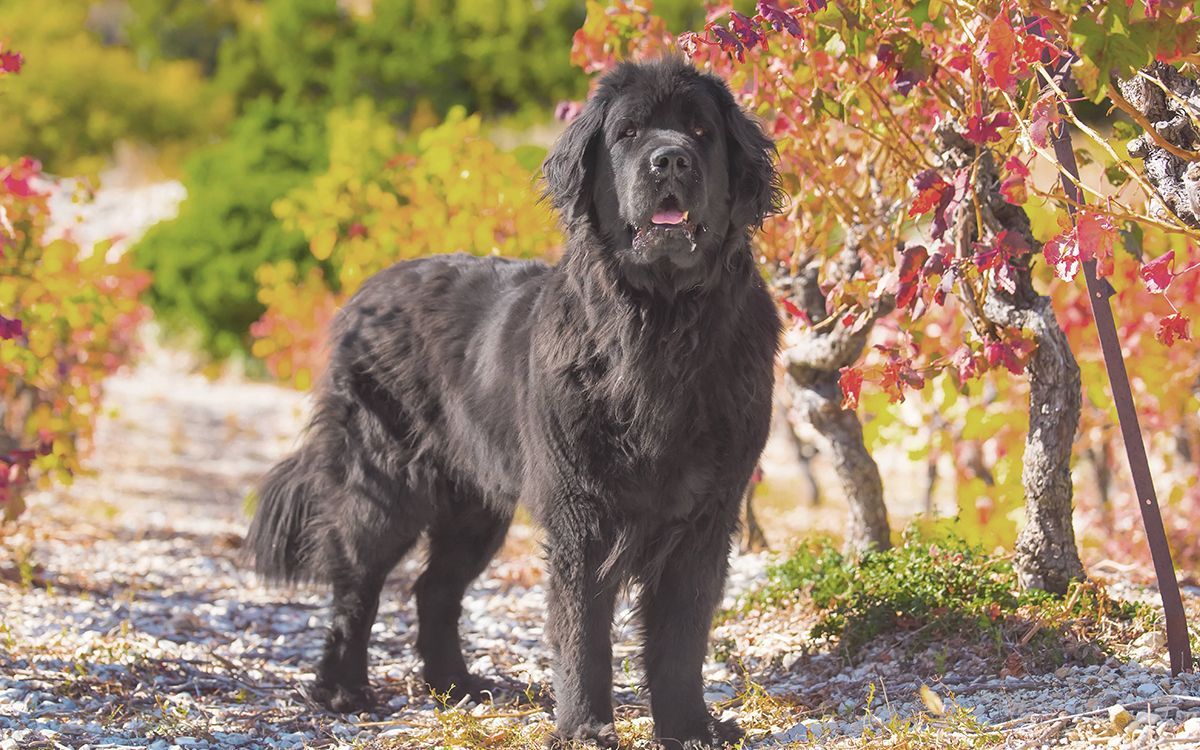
754,186
569,168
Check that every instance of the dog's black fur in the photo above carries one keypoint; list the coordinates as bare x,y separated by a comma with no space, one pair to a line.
623,395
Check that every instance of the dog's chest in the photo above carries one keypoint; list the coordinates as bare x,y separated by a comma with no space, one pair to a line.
668,466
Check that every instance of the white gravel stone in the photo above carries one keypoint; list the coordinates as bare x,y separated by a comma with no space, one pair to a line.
1191,727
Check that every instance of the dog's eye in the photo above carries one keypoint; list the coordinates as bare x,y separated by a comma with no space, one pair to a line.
629,132
699,131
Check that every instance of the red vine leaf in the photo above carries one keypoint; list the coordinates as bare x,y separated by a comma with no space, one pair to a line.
930,189
1096,236
689,43
779,19
912,260
794,311
898,373
1172,328
1091,238
966,364
1012,187
744,29
1158,273
11,328
10,62
996,52
1062,253
728,42
983,130
850,380
950,201
936,265
1003,353
1044,115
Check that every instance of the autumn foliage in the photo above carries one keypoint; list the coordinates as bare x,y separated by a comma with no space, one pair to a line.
68,319
865,102
449,189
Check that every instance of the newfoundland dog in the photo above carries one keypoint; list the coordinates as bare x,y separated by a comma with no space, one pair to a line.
622,395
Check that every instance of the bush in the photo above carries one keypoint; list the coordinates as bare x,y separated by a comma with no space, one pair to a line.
67,320
183,29
488,55
78,96
448,190
204,261
934,585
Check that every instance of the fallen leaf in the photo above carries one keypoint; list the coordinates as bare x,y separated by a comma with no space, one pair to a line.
932,701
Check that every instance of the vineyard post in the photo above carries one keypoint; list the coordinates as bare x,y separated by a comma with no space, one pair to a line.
1099,291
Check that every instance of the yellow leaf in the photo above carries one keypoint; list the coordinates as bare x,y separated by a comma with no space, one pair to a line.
322,244
932,701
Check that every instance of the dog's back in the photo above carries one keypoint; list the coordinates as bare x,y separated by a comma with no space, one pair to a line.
425,360
406,439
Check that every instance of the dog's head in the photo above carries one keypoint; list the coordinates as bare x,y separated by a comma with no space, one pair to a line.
664,166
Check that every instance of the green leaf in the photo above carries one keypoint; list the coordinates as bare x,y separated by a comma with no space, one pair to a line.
1132,239
836,46
1115,175
1125,130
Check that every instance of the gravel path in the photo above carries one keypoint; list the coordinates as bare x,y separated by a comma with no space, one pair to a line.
130,620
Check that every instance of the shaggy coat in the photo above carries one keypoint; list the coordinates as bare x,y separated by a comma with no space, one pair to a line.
622,395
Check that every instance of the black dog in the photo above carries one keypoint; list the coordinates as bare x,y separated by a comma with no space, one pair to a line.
623,395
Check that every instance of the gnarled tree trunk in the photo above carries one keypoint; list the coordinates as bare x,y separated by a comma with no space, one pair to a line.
813,360
1046,555
1171,161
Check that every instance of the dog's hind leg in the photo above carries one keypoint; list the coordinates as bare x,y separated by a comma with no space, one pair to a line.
361,547
463,539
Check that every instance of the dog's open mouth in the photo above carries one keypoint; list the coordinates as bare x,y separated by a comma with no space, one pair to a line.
668,219
669,214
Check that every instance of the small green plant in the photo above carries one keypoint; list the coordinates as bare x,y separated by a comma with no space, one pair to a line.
931,585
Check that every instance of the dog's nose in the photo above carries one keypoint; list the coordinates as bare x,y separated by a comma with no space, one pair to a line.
668,160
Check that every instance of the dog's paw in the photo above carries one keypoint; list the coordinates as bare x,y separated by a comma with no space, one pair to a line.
715,735
726,733
589,735
342,699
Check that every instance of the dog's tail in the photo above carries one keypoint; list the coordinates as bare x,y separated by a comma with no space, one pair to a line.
281,534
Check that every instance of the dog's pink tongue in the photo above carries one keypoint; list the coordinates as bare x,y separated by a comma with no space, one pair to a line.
667,216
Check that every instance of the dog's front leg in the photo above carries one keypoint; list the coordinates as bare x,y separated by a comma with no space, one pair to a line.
580,629
677,610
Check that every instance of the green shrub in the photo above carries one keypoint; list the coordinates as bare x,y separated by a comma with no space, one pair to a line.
204,261
79,95
487,55
449,189
183,29
938,585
